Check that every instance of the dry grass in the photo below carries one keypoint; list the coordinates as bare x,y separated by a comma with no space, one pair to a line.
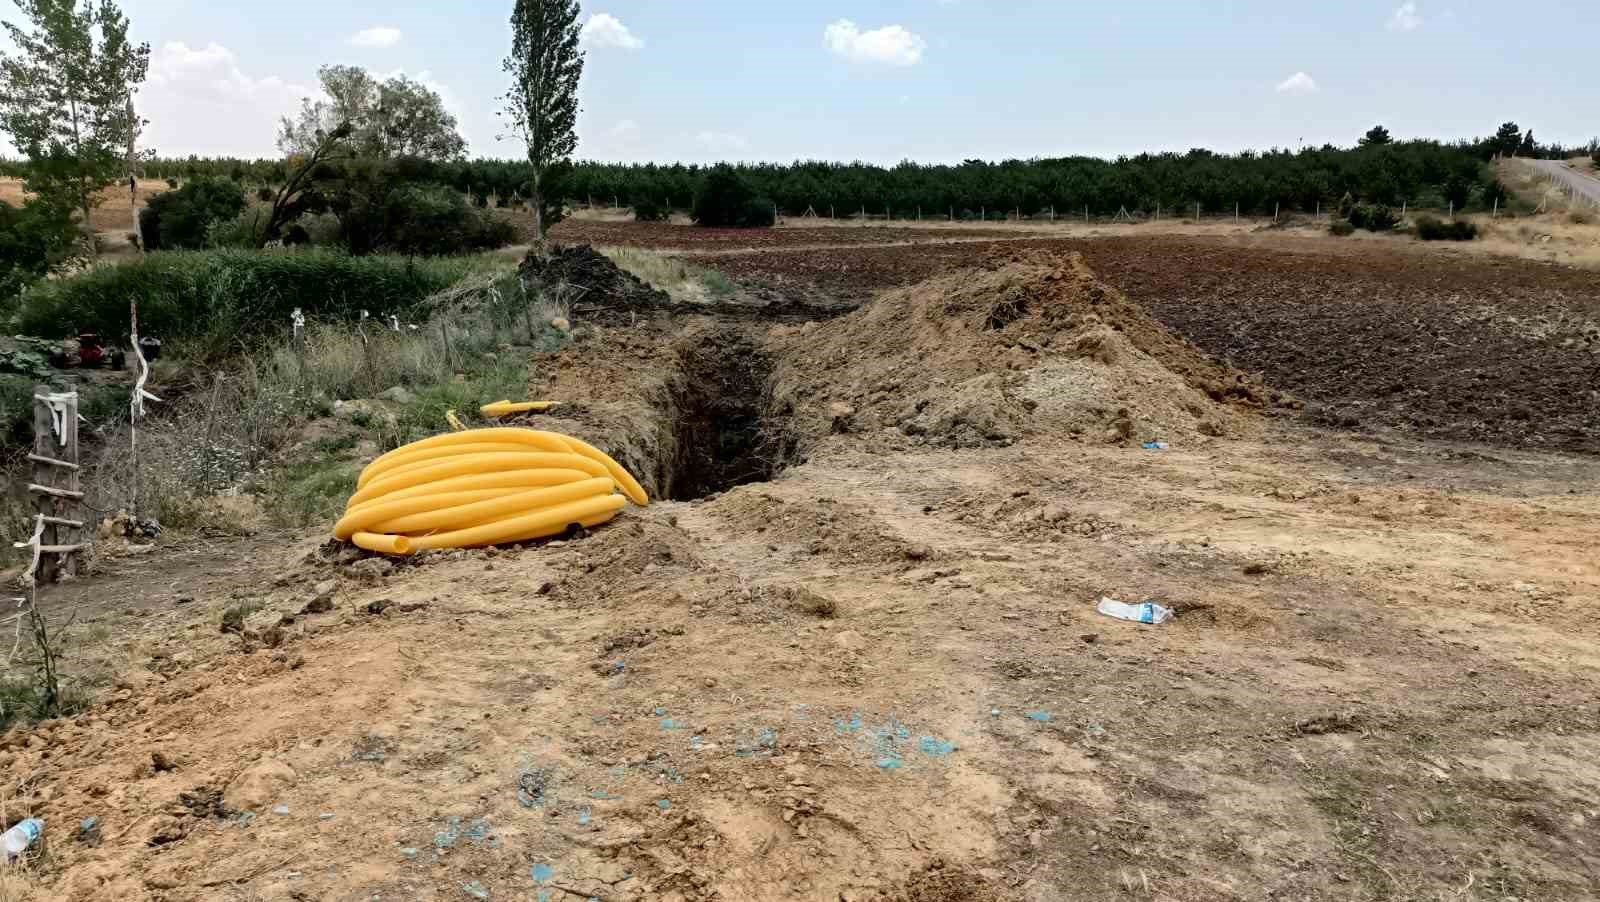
683,282
114,215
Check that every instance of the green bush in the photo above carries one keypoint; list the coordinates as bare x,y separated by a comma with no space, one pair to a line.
725,199
434,219
230,294
1431,228
34,238
1372,217
242,232
648,210
181,218
1341,227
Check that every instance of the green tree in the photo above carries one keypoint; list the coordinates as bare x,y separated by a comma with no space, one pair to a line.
1377,135
66,97
1530,147
726,199
1507,139
541,107
394,118
33,239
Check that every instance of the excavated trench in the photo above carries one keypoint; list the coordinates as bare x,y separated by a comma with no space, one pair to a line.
723,428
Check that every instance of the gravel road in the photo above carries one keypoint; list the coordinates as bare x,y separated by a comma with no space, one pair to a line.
1581,184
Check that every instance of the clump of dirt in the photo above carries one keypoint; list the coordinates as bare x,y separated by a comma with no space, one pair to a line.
599,284
1028,343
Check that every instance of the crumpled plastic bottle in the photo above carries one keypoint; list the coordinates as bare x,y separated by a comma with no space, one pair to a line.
1143,612
19,838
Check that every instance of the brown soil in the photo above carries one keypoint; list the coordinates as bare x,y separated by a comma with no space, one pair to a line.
687,237
1435,344
876,671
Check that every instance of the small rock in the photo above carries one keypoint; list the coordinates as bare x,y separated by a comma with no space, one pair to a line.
319,605
378,606
280,809
138,678
919,552
257,784
850,640
1055,513
371,569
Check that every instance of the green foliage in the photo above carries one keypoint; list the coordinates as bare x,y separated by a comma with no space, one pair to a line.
1507,139
34,239
541,108
242,232
1431,228
1457,189
65,97
1376,136
311,491
1372,217
647,209
228,295
182,218
725,199
434,219
1342,228
394,118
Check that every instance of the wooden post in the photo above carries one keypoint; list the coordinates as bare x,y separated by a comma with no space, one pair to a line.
449,355
1496,213
1275,206
1085,214
1403,205
1235,211
55,481
1197,213
1452,209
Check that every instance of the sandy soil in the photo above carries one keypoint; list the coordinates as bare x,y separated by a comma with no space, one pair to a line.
879,674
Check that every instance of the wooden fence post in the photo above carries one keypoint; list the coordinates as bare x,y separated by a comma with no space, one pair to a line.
55,486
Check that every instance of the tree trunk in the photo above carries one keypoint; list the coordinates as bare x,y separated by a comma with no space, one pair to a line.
538,205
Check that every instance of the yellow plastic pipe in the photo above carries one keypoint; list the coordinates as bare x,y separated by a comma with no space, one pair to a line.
496,509
536,525
367,517
387,464
507,408
512,479
371,541
408,475
483,487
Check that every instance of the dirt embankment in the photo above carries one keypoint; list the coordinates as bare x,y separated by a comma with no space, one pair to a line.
1027,343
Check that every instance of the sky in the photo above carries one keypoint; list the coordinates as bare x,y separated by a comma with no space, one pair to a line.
928,80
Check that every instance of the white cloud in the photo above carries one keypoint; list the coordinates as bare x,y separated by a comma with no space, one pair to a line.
606,30
1298,84
722,142
891,45
377,36
1405,18
199,101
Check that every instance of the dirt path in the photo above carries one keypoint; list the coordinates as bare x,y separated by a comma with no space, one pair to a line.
883,674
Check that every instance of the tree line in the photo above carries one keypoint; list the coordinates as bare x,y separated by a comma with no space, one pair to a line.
1423,173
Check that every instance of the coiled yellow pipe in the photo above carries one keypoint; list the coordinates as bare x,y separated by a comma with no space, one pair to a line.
483,487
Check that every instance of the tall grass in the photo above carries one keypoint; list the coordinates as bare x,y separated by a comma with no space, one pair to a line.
220,296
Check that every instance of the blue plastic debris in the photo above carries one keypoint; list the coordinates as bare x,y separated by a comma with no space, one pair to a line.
668,723
931,745
409,852
543,873
765,740
584,814
663,804
853,725
889,762
601,794
661,712
1040,716
1156,446
475,889
455,829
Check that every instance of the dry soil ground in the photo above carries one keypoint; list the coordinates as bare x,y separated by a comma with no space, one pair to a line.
879,673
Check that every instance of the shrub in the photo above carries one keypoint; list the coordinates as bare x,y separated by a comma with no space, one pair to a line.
34,238
434,219
265,195
225,295
180,219
1341,227
241,232
1431,228
1372,217
647,209
726,199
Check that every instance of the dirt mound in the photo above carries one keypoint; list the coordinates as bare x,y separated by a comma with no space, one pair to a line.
1028,343
598,284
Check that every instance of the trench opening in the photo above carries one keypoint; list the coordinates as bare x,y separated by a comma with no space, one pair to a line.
724,430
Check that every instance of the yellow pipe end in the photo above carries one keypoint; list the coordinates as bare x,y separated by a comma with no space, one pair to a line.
372,541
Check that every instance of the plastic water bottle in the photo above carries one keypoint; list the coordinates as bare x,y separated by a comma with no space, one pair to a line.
19,838
1143,612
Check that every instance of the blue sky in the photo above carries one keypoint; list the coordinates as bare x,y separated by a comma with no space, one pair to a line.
932,80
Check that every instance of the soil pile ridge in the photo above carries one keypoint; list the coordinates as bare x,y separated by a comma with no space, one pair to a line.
1028,343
